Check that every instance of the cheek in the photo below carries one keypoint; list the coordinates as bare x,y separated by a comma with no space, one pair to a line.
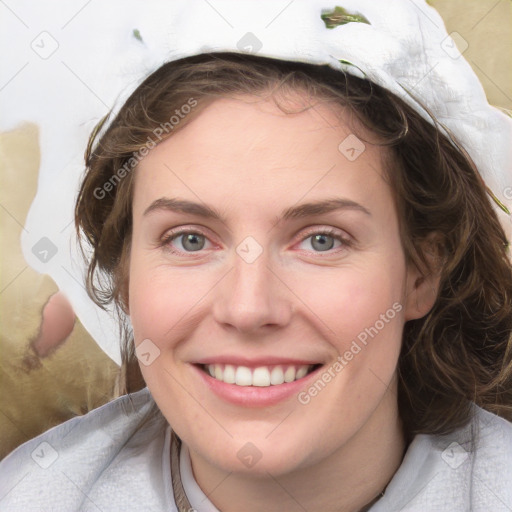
360,312
346,301
163,301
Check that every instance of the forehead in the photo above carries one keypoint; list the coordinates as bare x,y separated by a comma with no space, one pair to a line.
246,150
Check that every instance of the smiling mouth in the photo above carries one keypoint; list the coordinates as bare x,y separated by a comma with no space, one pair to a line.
262,376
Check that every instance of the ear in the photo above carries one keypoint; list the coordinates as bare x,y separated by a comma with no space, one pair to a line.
422,285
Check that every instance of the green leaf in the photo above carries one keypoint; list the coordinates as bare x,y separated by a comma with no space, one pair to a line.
497,201
341,16
136,34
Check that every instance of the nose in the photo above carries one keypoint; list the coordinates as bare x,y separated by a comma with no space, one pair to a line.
252,297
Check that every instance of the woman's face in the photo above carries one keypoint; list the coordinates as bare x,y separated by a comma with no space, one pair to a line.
265,246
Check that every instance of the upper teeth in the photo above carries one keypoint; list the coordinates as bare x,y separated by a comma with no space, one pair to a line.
262,376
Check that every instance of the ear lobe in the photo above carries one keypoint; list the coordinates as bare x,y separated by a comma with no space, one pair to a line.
423,284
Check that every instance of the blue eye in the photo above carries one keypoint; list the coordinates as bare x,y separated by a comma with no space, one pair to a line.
325,241
194,242
322,242
190,241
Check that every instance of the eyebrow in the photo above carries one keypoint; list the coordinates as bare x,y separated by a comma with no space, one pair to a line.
294,212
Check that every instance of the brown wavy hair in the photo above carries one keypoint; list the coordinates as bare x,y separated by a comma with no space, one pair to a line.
459,353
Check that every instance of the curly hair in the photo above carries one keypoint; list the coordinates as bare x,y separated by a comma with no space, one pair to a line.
460,352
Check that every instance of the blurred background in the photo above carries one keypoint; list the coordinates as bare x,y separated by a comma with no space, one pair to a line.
50,368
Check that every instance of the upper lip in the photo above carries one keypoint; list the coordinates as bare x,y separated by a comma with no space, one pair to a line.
256,362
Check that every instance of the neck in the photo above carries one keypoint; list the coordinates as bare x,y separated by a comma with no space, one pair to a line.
348,480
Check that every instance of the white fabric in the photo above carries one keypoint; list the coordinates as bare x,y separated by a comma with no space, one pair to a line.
96,57
103,465
196,497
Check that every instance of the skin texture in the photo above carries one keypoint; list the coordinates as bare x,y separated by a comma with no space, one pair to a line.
249,161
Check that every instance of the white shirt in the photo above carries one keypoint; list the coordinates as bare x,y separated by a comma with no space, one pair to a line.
106,461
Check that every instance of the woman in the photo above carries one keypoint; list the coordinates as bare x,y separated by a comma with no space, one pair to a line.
318,292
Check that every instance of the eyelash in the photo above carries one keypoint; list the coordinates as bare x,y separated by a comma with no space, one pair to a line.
345,241
169,237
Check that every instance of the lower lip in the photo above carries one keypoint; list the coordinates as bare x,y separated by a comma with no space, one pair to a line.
255,396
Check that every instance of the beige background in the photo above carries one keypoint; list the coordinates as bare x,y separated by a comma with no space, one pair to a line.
38,393
487,27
